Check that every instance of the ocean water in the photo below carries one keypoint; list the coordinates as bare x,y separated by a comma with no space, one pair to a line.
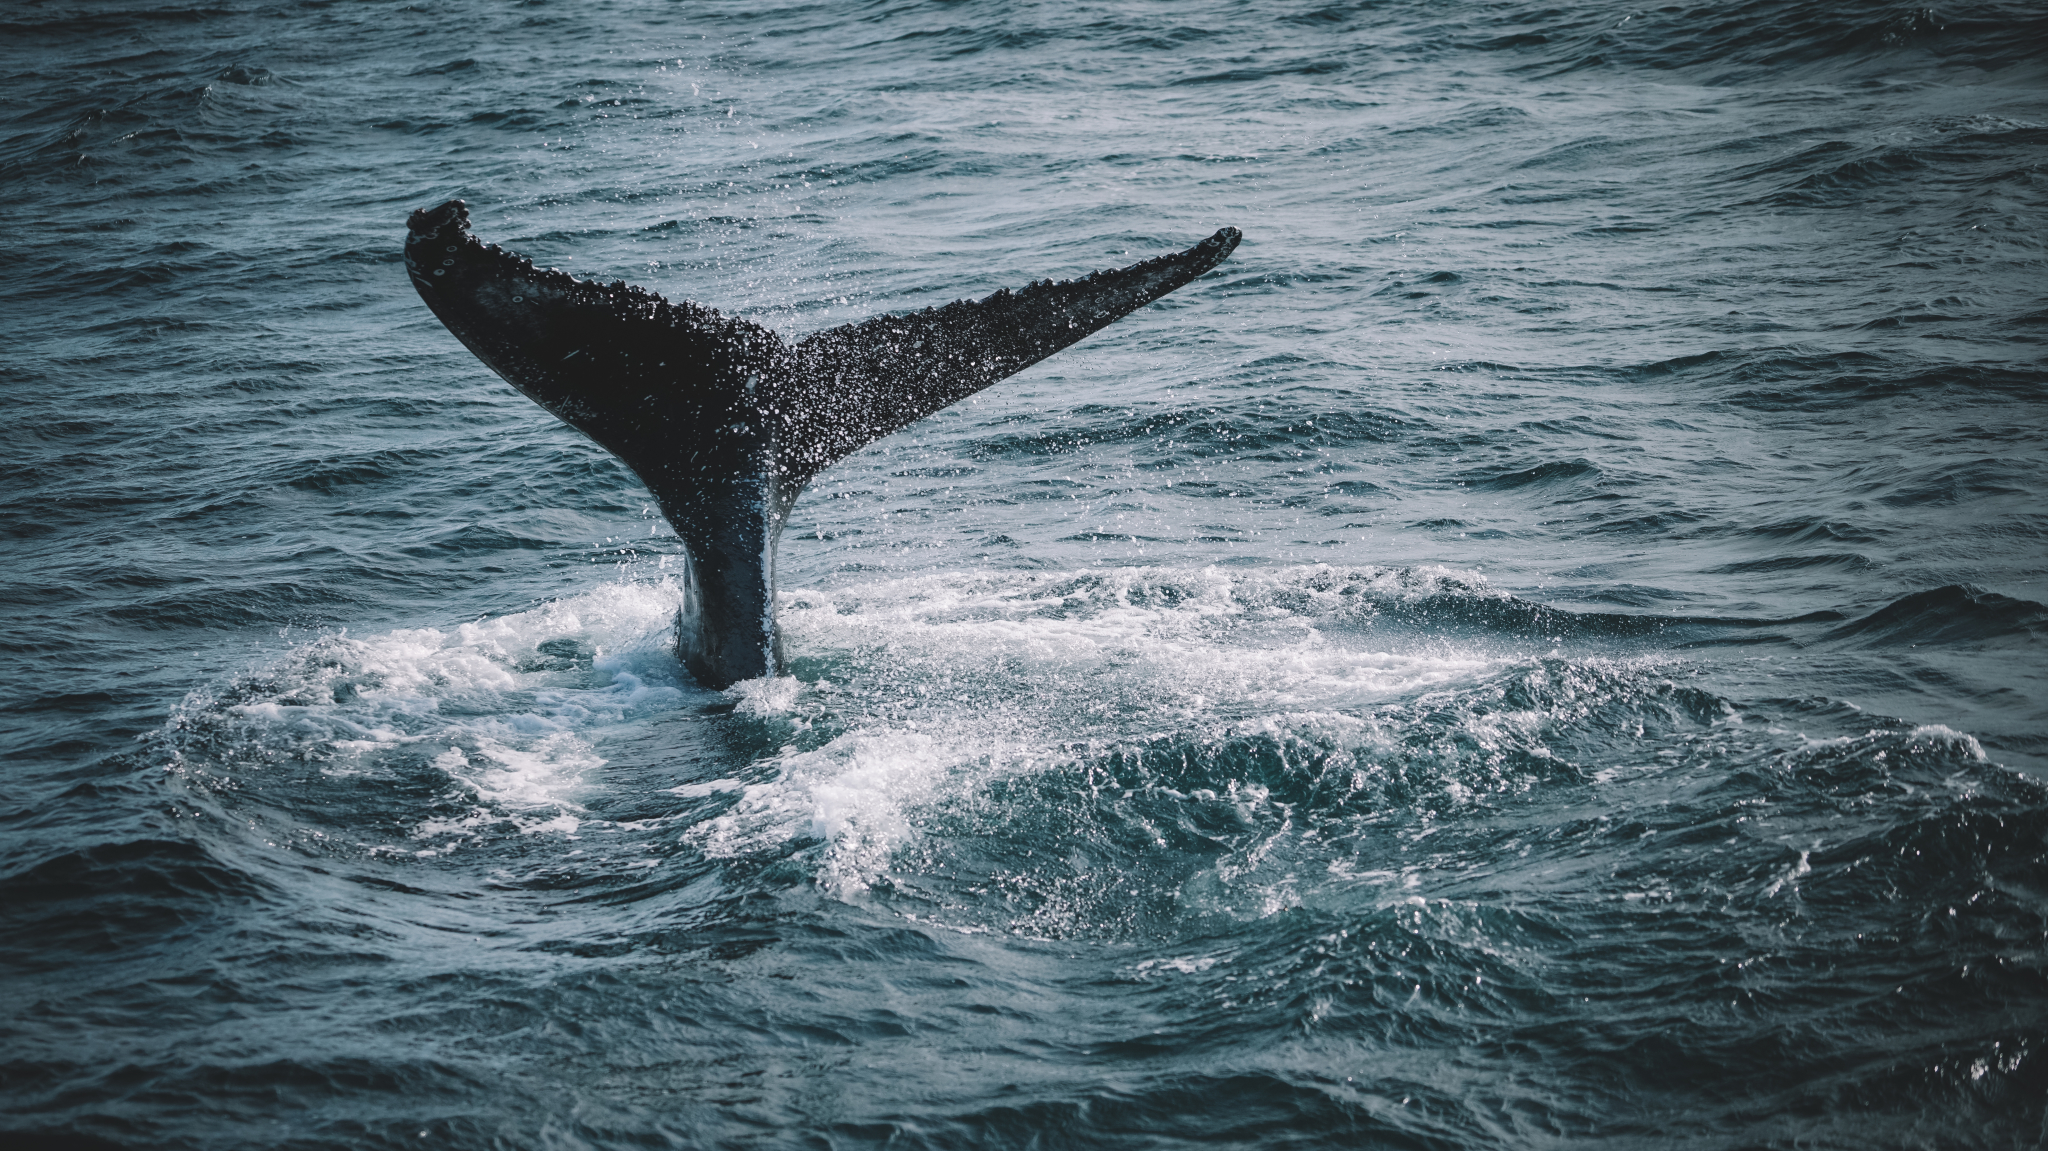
1542,648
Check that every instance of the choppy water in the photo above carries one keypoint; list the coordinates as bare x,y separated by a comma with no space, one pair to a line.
1543,648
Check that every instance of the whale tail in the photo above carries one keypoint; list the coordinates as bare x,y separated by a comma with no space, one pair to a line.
724,421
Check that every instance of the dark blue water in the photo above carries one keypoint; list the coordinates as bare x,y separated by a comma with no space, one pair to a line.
1543,648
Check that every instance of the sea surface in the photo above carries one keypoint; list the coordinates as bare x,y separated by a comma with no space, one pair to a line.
1541,649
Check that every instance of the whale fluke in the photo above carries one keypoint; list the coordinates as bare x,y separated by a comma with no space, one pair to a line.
724,421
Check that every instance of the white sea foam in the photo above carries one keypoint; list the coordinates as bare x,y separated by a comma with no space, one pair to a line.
1183,965
1935,734
954,680
765,697
937,686
506,708
854,794
1177,643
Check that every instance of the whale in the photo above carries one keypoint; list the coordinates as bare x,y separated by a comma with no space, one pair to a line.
725,421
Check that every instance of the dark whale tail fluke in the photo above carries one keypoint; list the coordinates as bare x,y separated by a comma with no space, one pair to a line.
723,421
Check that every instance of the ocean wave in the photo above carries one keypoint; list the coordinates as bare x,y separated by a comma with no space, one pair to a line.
1955,615
1734,45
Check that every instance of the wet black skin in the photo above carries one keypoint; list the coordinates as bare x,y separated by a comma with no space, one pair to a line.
725,422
